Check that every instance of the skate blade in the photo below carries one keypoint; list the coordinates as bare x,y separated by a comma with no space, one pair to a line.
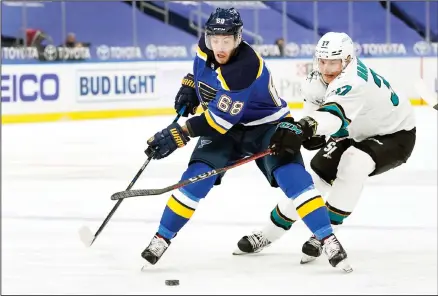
345,266
307,259
86,236
146,266
239,252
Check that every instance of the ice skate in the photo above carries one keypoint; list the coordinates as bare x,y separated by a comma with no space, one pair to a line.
312,249
253,243
336,253
155,250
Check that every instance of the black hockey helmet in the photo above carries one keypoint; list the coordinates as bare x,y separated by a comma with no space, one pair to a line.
224,21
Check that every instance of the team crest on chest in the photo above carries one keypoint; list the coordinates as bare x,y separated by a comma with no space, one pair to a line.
206,92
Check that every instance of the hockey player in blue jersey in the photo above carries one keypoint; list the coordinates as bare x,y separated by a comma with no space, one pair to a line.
241,111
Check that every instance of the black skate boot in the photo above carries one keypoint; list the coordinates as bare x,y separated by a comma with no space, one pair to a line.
253,243
312,249
156,249
336,253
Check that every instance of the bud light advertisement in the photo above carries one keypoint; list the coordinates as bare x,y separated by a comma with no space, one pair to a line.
115,85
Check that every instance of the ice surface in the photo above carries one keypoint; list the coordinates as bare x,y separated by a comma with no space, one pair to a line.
60,176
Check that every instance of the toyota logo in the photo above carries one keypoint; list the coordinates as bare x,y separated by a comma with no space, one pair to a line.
422,48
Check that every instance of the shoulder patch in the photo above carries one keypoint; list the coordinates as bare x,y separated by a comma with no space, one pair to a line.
242,70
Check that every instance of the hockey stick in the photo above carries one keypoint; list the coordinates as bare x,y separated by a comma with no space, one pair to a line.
85,233
426,94
145,192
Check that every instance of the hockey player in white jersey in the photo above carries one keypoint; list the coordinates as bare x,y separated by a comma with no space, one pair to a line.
371,129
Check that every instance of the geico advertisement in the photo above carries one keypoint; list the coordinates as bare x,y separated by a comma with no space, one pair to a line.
115,85
29,87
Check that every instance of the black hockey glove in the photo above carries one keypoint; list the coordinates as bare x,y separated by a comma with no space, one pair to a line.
290,135
163,143
314,143
186,96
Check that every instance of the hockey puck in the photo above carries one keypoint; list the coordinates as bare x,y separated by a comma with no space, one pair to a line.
172,282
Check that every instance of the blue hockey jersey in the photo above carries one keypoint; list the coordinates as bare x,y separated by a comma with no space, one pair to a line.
239,92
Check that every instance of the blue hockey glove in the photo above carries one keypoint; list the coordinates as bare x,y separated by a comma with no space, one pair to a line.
290,135
163,143
186,96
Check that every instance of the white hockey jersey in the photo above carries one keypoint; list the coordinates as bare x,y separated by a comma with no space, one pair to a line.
358,104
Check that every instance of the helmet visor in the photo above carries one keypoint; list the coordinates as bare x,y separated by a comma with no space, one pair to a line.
224,43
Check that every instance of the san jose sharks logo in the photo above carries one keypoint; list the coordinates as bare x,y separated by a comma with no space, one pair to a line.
290,126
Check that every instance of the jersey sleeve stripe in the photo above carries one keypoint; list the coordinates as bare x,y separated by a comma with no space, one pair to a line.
222,122
201,54
337,110
221,79
219,124
283,112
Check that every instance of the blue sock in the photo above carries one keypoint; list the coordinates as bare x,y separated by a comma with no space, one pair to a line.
183,202
297,184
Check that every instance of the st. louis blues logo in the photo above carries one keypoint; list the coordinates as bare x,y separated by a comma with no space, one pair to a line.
203,143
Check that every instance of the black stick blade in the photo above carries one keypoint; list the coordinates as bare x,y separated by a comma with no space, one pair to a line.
139,192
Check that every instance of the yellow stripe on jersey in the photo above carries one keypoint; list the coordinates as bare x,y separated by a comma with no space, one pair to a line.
310,206
179,208
213,123
201,54
260,65
222,79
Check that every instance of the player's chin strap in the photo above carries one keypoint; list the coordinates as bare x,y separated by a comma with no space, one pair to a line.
145,192
85,234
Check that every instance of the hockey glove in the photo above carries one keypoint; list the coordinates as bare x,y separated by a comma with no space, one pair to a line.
186,96
163,143
314,143
290,135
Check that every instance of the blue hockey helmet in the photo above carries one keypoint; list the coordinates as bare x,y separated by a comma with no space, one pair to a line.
224,21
